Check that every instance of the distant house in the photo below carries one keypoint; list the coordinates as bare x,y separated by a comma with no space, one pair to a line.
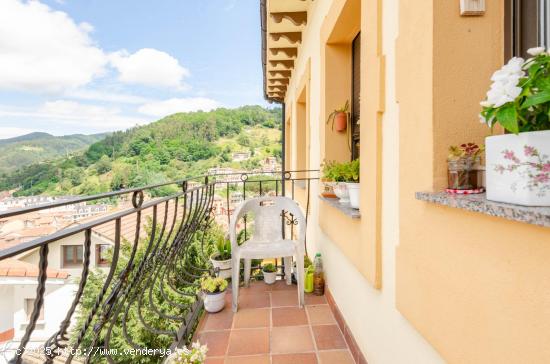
18,283
241,156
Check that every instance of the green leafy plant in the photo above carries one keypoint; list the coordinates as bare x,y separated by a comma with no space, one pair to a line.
213,284
519,98
328,169
341,172
223,247
333,114
269,268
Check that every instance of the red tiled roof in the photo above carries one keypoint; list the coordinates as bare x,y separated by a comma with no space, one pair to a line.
18,268
128,223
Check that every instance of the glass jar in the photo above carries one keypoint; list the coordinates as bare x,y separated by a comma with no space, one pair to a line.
461,174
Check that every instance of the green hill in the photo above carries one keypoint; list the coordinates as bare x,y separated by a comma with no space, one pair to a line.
31,148
177,146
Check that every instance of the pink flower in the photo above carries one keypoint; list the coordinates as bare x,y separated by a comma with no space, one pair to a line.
542,178
546,167
508,154
530,151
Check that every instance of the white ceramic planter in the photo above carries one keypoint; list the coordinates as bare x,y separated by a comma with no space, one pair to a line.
518,168
223,265
341,191
270,277
353,191
214,302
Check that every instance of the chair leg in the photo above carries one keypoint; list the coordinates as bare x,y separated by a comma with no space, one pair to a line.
247,271
235,265
288,270
300,277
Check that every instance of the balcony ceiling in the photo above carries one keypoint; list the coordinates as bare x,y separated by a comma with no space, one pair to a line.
283,22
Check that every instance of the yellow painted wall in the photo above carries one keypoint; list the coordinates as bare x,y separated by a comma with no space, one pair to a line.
476,287
358,253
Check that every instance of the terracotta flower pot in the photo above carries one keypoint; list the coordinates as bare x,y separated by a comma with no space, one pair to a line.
341,121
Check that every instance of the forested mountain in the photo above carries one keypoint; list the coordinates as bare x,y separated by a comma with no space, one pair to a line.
38,147
177,146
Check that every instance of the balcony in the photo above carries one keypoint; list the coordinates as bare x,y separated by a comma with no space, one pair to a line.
84,303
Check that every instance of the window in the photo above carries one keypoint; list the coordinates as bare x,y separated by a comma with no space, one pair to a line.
355,95
72,255
101,254
527,26
29,307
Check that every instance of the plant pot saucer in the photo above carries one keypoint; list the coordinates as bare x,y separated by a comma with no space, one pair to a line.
473,191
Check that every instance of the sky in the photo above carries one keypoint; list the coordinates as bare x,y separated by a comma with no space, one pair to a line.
89,66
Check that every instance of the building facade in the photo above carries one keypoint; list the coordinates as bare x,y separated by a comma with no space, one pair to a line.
415,282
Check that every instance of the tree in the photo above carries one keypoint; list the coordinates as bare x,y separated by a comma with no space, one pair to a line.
243,140
103,165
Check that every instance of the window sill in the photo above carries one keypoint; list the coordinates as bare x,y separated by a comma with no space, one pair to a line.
346,209
478,203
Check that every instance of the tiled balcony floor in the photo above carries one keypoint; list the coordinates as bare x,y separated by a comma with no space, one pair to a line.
270,328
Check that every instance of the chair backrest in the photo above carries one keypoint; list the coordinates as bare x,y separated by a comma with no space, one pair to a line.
268,221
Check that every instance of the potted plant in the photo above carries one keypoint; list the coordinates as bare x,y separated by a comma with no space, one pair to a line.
339,118
338,173
461,166
195,355
270,273
213,289
328,179
518,163
351,177
221,259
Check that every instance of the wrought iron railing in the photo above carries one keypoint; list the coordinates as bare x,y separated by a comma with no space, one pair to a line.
152,279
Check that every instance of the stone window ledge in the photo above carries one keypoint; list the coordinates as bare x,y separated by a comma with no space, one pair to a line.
346,209
478,203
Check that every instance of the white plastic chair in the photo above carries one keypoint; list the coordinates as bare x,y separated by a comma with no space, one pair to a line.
267,240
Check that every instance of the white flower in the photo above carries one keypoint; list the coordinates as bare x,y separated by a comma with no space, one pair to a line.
536,51
505,84
513,69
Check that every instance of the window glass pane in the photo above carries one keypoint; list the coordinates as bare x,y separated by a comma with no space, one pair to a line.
103,253
69,253
79,253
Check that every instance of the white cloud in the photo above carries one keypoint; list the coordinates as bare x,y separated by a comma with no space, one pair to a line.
46,51
42,50
150,67
9,132
98,95
172,106
71,113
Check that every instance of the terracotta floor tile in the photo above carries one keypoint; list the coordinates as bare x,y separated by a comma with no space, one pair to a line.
216,341
306,358
289,316
312,299
291,339
255,359
320,315
255,287
281,285
284,298
335,357
258,300
248,342
328,337
218,321
214,361
252,317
